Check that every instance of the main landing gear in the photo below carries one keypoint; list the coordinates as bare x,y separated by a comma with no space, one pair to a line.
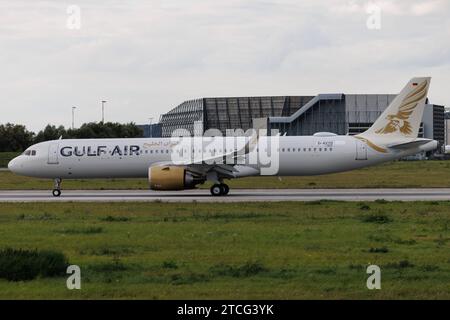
218,190
57,189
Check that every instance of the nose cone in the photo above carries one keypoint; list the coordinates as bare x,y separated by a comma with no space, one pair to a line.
12,165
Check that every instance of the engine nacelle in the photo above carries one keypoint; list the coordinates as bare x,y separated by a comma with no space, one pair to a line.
171,178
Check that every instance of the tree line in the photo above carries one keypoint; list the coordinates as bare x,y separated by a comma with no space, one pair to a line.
16,137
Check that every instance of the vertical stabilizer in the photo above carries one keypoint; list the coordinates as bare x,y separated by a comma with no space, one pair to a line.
401,119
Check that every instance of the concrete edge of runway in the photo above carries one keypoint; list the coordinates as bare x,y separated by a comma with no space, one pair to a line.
236,195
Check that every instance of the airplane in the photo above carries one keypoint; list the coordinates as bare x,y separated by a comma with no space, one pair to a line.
169,164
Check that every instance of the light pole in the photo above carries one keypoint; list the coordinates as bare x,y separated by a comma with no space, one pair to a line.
103,110
73,117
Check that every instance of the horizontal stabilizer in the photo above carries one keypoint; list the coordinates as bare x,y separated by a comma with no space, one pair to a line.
408,145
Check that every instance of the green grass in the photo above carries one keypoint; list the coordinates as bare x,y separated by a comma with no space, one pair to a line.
235,251
6,157
399,174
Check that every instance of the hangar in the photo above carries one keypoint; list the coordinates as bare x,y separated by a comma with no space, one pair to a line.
291,115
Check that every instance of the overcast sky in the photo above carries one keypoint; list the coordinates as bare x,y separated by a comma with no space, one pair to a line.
146,57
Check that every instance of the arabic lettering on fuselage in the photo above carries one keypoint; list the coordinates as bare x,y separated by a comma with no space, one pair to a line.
154,144
92,151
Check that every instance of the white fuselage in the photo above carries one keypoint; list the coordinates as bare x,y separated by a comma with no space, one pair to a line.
131,158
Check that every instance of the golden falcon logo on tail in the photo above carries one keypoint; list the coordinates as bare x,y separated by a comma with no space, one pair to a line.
399,121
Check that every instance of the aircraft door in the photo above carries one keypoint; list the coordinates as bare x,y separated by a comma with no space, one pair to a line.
361,150
53,154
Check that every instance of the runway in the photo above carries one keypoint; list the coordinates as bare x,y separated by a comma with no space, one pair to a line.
236,195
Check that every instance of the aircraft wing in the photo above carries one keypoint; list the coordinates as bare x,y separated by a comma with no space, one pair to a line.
219,164
222,170
222,164
203,169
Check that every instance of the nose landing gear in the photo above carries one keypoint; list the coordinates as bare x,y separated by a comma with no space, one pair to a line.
218,190
57,189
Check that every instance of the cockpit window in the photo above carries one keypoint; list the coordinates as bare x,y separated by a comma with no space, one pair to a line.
29,153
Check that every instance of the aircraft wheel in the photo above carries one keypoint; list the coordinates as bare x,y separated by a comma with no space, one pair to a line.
216,190
57,187
225,189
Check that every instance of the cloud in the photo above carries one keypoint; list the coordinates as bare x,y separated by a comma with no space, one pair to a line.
428,7
391,7
145,57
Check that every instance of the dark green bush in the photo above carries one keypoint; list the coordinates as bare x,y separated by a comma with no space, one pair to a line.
246,270
376,218
379,250
115,219
22,265
403,264
169,265
88,230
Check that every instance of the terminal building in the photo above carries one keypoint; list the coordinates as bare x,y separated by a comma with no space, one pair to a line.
343,114
447,127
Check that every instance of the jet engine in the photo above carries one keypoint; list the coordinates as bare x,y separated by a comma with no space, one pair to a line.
172,178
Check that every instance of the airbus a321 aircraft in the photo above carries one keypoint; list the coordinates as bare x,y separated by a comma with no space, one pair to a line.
393,135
